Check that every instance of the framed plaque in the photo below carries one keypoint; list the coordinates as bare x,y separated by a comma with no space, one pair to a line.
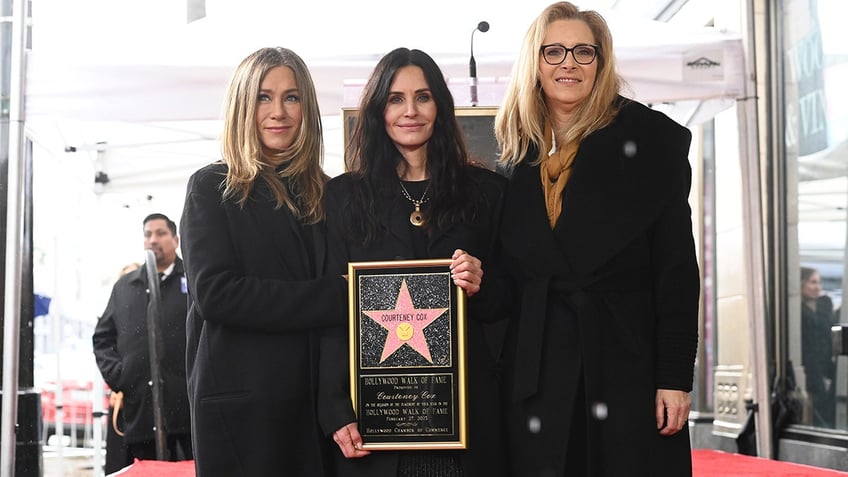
407,355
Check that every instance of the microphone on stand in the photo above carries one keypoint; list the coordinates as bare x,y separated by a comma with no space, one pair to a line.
472,65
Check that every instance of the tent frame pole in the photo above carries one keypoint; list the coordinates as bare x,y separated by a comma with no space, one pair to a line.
749,157
14,242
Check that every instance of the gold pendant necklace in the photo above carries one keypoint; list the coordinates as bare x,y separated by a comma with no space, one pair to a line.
416,218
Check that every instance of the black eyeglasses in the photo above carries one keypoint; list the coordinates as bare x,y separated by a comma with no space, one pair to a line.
555,54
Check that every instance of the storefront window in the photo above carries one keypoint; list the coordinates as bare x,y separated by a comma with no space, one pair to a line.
815,71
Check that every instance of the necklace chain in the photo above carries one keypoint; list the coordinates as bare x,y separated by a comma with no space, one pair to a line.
416,203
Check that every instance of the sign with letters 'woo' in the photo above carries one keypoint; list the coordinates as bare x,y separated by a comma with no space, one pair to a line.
407,355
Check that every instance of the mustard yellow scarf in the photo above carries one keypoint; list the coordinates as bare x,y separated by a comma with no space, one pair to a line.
555,170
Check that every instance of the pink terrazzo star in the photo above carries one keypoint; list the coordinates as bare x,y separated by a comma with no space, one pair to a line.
405,324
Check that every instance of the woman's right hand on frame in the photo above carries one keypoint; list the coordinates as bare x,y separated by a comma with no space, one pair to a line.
350,442
466,271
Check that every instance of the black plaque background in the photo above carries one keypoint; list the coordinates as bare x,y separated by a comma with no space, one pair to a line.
407,402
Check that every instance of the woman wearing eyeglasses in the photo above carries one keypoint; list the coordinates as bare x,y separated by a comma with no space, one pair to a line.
597,237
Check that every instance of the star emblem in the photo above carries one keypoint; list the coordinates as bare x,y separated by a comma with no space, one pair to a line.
405,324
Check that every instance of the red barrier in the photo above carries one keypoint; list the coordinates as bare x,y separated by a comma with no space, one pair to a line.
76,403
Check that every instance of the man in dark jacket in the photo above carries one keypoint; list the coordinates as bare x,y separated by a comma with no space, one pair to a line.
122,351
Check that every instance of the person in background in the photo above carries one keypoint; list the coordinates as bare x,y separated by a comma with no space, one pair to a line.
597,237
122,350
253,243
411,193
817,317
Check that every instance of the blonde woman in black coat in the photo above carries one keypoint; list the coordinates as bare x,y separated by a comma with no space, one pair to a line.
597,234
252,243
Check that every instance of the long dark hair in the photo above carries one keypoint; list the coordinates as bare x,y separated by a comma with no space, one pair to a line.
373,158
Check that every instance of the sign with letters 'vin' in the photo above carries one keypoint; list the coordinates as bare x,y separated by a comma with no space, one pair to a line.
407,335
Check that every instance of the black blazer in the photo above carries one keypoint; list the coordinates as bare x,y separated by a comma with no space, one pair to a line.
608,298
486,452
255,303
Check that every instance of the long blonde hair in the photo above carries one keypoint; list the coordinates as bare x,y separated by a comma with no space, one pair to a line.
242,148
520,121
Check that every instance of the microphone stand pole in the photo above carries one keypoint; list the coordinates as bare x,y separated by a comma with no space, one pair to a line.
472,64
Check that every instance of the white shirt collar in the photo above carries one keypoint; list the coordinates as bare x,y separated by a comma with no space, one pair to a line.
168,270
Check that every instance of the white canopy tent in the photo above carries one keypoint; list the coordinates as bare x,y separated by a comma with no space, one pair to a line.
137,93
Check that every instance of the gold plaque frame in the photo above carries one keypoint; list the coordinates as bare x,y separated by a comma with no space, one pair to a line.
408,355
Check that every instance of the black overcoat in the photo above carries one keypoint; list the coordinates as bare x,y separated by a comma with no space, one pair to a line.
123,355
608,297
255,305
486,453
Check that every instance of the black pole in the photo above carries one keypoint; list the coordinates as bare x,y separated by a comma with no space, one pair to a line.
28,424
154,333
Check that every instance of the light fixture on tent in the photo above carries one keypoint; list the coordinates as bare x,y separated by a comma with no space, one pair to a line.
101,177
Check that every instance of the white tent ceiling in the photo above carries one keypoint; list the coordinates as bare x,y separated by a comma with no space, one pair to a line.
137,92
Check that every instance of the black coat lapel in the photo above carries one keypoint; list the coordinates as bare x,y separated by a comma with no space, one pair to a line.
623,177
525,229
285,231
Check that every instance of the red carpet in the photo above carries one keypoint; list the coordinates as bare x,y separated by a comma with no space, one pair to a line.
705,463
155,468
710,463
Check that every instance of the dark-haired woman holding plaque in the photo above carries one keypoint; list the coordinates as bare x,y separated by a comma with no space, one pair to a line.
411,193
